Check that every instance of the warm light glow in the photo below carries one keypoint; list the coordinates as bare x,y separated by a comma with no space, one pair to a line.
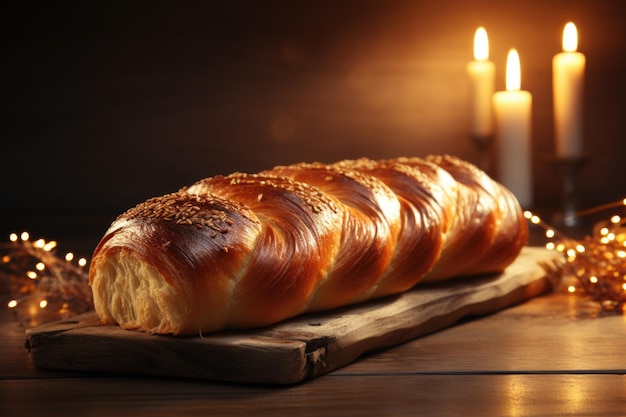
481,45
597,261
69,256
33,277
513,71
535,220
570,38
49,246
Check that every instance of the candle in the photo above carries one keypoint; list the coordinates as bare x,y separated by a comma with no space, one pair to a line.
568,68
481,73
512,109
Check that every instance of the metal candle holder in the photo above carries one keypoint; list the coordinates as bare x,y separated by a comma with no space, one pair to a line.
483,144
569,169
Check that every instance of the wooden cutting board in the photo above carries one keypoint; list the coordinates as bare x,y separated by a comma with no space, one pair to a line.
295,350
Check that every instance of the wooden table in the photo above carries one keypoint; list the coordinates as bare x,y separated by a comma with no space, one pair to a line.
554,355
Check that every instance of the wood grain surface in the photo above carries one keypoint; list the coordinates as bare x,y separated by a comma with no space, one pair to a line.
333,395
557,354
290,352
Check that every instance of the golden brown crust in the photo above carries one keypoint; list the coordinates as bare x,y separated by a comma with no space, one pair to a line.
298,243
249,250
370,227
197,263
490,229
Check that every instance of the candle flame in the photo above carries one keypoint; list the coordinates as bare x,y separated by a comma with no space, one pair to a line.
481,45
570,38
513,71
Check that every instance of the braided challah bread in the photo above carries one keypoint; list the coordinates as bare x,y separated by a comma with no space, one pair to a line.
249,250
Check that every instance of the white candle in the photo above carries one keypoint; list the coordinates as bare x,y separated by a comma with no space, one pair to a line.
512,110
568,70
482,77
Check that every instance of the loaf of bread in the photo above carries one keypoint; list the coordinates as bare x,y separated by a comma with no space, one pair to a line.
249,250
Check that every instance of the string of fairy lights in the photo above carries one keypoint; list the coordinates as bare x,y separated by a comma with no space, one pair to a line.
44,287
594,266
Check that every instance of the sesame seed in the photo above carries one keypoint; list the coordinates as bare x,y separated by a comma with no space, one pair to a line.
183,208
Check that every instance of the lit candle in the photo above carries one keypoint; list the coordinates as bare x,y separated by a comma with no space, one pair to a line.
512,109
482,76
568,68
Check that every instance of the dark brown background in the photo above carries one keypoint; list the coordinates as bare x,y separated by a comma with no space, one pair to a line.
109,103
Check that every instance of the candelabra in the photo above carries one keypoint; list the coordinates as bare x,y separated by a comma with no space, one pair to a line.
483,145
568,169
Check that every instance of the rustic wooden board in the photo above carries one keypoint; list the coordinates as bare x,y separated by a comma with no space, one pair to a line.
292,351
